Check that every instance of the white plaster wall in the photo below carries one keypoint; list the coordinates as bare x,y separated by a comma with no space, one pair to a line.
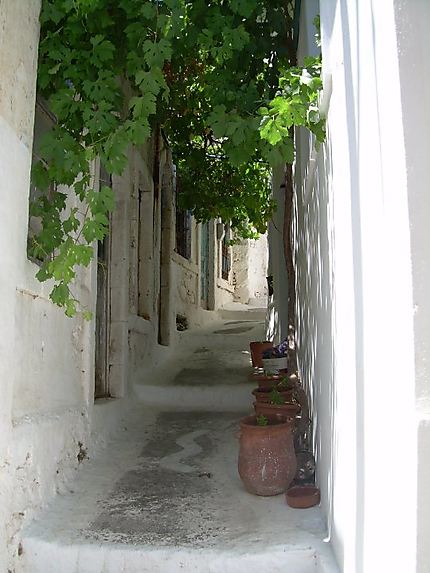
240,272
46,359
16,118
250,262
258,260
224,293
413,23
356,306
186,281
277,316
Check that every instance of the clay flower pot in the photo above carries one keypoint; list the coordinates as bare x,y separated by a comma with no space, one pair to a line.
268,382
257,348
267,462
286,411
303,496
263,394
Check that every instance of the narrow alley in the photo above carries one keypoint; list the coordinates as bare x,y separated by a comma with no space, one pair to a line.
165,495
179,178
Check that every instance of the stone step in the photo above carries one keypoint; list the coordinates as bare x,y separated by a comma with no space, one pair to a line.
56,558
165,497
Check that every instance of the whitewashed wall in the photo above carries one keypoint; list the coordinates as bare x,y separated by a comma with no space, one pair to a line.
45,358
250,262
362,261
413,24
277,316
186,280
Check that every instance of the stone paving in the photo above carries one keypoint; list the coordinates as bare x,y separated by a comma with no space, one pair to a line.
165,495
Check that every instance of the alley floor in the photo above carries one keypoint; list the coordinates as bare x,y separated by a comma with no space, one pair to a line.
164,496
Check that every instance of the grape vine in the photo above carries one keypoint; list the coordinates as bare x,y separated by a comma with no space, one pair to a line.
215,77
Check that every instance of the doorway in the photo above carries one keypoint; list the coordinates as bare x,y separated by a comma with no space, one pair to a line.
204,265
103,308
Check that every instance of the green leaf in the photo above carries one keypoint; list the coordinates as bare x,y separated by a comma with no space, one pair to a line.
151,81
60,294
156,53
143,106
149,10
270,131
243,7
87,315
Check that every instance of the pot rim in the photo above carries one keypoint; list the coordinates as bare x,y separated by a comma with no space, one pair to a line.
249,422
286,406
268,390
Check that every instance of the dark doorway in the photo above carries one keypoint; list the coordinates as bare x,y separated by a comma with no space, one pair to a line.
102,389
204,265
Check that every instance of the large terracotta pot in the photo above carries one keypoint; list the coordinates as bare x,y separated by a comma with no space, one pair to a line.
257,348
263,394
287,411
267,462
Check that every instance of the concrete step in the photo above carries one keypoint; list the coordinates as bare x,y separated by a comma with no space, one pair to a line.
165,497
209,371
246,314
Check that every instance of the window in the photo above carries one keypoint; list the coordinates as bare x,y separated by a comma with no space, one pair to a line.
183,233
184,222
225,258
43,122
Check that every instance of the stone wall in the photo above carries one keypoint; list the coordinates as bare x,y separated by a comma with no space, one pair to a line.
46,359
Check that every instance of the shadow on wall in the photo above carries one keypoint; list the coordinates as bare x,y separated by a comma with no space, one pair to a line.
315,321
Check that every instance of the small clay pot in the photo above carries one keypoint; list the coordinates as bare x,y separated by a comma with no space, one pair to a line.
263,394
267,462
287,411
257,348
303,496
292,381
269,382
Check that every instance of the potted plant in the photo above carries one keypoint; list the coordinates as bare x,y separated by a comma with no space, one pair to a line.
265,394
265,381
277,405
257,348
267,462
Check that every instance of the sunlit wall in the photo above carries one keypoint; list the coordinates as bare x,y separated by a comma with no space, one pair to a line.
355,285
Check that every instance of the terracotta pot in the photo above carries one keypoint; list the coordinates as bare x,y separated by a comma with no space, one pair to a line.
287,411
263,394
303,496
265,381
257,348
267,462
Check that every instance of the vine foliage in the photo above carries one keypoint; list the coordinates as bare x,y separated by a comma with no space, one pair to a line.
217,79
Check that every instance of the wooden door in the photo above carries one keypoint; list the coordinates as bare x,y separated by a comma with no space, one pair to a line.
204,265
103,310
